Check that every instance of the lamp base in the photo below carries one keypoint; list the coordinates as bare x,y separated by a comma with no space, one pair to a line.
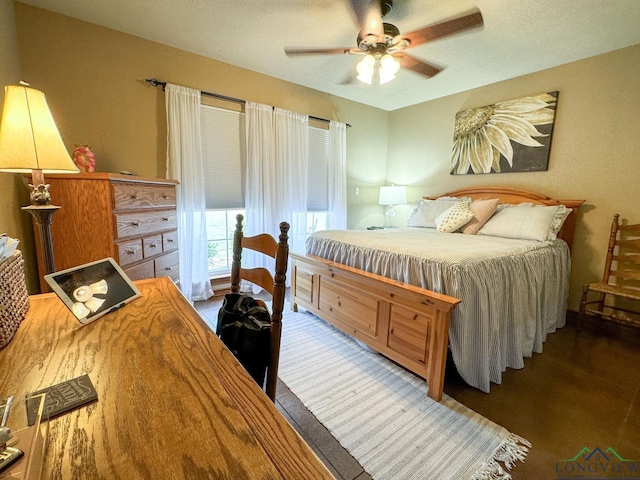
388,216
39,194
42,215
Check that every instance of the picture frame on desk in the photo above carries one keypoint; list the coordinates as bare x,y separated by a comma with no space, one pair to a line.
94,289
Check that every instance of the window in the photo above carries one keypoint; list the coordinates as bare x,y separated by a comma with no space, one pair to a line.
318,185
224,157
223,153
220,227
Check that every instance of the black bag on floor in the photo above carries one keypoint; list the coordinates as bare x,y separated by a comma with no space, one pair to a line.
244,325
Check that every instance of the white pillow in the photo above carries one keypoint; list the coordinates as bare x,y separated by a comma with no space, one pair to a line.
425,214
558,221
453,218
525,221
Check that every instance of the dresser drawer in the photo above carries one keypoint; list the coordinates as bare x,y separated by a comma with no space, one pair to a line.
170,241
141,271
168,266
144,223
152,245
134,196
129,252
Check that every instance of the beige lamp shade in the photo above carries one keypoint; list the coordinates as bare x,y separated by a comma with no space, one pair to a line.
29,138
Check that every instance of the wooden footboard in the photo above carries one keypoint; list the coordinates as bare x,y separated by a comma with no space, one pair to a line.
408,324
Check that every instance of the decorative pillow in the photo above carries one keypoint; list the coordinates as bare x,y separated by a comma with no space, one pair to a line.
454,218
525,221
427,211
558,221
482,211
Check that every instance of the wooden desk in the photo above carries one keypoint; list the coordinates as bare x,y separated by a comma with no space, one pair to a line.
173,402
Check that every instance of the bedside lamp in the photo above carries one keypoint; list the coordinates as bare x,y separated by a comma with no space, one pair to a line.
30,143
391,196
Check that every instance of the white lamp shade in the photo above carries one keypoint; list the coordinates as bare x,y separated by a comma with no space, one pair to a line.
29,138
393,195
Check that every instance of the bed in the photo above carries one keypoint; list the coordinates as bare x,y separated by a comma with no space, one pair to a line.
412,293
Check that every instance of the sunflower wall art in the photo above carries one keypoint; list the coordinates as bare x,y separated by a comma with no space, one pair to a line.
512,136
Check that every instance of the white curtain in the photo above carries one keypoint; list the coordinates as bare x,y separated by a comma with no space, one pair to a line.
277,163
184,163
261,172
337,176
292,160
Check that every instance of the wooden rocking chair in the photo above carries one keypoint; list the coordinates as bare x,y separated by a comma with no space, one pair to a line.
615,298
274,284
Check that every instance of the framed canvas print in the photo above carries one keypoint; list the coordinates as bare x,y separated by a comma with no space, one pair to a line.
94,289
511,136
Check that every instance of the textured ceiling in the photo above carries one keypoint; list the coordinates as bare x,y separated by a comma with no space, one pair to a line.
519,37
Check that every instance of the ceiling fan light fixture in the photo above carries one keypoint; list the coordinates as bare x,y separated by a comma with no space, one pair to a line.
390,64
379,40
388,68
366,68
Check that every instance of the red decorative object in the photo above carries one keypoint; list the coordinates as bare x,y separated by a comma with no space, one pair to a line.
84,158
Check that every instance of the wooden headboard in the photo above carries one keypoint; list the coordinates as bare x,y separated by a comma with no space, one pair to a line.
513,195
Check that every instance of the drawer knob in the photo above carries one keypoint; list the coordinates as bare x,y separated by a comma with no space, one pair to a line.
170,240
168,268
130,252
153,245
135,224
165,219
165,196
134,197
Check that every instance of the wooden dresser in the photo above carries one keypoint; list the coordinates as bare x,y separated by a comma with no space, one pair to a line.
132,219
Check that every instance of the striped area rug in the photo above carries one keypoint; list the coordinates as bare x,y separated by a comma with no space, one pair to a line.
381,414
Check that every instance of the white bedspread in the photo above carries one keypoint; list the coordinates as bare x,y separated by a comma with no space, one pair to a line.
513,292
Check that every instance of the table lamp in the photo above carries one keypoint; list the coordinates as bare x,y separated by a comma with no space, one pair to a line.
30,143
391,196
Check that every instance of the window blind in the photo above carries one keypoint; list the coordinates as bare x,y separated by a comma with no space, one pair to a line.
318,175
224,157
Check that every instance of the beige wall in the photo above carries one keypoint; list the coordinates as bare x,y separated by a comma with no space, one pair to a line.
595,152
13,190
94,81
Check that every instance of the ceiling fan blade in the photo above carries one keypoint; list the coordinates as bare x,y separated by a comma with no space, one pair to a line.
418,66
369,16
448,27
322,51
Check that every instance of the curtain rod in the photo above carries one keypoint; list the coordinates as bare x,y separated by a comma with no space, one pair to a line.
157,83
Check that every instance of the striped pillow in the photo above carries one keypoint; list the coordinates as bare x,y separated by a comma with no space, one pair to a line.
524,221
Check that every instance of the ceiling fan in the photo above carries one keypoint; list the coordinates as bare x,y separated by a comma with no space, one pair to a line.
383,45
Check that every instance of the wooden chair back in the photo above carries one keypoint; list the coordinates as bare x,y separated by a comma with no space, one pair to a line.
620,279
274,283
624,250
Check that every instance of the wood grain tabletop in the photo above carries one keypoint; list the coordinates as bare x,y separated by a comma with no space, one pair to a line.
173,402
